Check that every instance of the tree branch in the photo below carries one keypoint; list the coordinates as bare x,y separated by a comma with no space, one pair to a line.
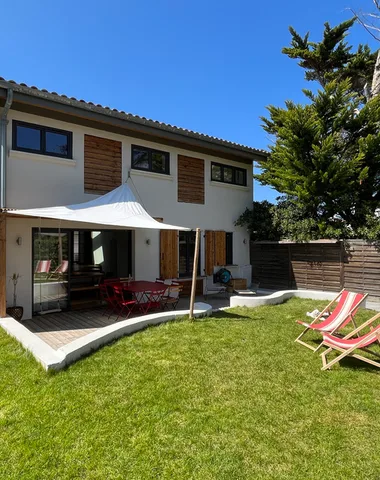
359,18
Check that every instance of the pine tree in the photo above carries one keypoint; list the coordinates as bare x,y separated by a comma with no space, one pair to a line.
326,155
332,58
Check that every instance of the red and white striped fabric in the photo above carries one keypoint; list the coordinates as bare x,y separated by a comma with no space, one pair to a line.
63,267
43,266
341,314
362,341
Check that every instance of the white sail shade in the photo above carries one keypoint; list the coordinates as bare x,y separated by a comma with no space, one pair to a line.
118,208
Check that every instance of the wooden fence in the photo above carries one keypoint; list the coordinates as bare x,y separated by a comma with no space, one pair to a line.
329,266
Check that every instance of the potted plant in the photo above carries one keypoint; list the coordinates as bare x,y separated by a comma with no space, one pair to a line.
15,311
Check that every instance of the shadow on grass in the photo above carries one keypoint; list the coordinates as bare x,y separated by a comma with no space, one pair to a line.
351,363
225,314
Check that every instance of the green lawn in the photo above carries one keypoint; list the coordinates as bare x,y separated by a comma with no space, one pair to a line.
228,397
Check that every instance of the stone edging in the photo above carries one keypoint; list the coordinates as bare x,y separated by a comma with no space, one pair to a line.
52,359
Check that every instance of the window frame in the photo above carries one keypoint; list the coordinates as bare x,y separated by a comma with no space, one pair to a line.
43,131
150,151
222,166
189,271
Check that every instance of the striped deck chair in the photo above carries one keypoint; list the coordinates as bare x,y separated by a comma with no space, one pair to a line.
343,313
43,268
60,270
348,345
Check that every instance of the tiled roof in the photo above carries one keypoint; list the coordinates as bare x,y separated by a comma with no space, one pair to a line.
113,112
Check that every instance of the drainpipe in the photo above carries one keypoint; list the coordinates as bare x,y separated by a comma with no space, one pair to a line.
3,145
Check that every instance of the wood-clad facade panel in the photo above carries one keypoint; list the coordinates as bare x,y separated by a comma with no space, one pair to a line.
191,180
102,164
168,254
215,250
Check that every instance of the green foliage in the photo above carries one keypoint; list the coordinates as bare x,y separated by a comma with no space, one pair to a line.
259,221
289,219
46,247
332,58
326,154
370,229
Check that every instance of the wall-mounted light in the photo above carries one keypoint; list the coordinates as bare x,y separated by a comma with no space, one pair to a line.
19,241
245,241
147,241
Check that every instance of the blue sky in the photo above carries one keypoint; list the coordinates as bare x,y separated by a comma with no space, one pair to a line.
210,66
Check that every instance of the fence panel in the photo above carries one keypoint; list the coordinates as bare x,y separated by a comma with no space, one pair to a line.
270,265
362,267
353,264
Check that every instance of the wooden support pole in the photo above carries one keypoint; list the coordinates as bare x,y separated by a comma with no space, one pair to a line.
3,260
195,270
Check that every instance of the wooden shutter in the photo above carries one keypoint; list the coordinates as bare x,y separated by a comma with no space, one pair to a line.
191,180
210,251
215,243
168,254
102,164
220,248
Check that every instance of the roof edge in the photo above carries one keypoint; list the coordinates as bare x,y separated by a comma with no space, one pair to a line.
107,112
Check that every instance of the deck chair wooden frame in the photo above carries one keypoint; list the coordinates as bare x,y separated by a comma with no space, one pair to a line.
362,343
345,320
60,271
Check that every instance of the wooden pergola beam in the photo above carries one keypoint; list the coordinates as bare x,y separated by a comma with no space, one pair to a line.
3,265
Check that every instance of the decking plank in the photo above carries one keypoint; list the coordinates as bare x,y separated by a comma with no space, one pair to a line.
59,329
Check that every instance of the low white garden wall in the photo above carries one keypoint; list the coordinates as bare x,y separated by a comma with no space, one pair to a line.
282,295
52,359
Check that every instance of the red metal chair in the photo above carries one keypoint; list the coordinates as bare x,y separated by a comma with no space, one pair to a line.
124,305
111,280
107,294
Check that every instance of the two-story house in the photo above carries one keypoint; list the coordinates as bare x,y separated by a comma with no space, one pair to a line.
57,150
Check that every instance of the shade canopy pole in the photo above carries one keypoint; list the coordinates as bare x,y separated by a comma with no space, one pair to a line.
3,264
195,270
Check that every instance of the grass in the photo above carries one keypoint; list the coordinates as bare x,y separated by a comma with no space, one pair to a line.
228,397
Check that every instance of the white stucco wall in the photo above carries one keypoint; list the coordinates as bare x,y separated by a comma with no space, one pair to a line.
38,181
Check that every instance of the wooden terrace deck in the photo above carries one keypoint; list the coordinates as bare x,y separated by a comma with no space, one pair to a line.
58,329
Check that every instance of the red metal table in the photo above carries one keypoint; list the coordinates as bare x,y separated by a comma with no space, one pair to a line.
148,295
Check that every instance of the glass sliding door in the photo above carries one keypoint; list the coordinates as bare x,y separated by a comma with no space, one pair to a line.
50,270
186,244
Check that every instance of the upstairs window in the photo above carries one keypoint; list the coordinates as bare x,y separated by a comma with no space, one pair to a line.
150,160
228,174
28,137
